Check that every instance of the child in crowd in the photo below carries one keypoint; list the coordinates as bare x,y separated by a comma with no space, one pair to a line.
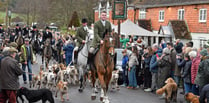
124,65
133,61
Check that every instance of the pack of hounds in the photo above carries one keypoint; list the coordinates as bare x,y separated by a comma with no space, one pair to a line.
57,78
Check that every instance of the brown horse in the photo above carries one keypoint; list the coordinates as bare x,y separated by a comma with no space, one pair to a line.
47,52
19,41
103,66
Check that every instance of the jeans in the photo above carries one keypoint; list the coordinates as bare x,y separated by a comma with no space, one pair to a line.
187,87
8,95
132,77
29,71
195,89
124,74
68,59
154,81
177,79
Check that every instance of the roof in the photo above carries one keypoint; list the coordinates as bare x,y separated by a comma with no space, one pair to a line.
129,28
146,24
180,29
162,3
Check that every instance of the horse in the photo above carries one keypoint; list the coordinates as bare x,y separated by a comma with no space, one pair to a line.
47,52
19,40
36,46
102,66
82,60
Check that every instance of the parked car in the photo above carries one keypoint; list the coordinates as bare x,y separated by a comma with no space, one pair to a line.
120,57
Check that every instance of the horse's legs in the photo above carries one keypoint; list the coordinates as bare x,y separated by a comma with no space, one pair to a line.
103,85
93,80
81,84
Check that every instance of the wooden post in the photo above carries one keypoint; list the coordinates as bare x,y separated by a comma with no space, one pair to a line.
118,44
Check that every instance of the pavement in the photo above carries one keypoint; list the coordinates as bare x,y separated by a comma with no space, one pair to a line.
124,95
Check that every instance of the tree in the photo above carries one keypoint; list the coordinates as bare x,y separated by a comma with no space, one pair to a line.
74,20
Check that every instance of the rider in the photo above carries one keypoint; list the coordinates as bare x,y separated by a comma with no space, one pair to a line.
47,34
17,30
34,32
101,27
80,36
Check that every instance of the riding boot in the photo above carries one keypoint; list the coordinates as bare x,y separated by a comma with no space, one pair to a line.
90,58
75,57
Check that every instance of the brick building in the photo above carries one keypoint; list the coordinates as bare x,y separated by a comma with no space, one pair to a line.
160,12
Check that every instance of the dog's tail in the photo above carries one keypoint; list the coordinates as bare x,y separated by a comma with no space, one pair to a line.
160,91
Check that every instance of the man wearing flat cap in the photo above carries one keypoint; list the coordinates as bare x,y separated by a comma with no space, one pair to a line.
9,73
27,59
81,34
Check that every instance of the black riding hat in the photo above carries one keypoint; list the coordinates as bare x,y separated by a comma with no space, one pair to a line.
84,20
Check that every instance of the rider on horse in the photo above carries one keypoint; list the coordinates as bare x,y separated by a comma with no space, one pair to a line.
81,34
101,28
47,34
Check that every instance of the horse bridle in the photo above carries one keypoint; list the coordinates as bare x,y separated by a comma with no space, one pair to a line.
111,56
88,36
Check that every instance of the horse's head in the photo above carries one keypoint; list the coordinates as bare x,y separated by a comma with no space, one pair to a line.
109,43
47,42
90,35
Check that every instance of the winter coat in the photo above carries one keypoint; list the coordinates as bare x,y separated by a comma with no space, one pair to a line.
194,68
178,47
164,68
147,61
153,61
133,60
81,35
124,60
9,72
203,73
124,42
186,75
68,49
25,53
100,31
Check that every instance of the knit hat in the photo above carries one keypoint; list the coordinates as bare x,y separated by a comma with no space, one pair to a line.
13,44
204,52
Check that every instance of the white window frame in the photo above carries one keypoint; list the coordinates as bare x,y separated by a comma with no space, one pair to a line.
202,41
181,14
161,17
142,14
202,17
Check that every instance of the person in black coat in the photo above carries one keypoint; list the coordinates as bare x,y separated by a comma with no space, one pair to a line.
18,30
204,94
34,32
26,31
47,34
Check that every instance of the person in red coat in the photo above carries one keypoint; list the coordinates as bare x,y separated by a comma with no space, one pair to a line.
195,57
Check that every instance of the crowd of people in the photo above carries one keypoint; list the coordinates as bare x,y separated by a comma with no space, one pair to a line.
20,46
146,66
187,65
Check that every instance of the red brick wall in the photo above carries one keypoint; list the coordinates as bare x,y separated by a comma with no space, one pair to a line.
130,16
191,16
